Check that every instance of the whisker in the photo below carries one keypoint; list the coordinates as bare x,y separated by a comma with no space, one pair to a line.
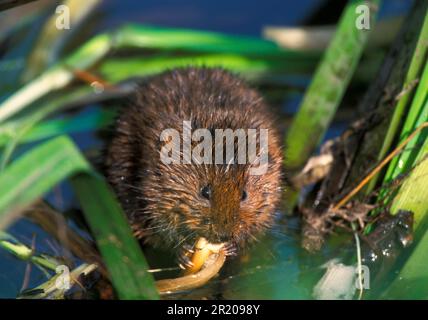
185,238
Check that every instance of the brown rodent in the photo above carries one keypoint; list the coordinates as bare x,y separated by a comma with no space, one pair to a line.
170,205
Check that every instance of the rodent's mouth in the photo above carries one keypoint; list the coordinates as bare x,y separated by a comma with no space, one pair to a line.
230,247
188,237
187,251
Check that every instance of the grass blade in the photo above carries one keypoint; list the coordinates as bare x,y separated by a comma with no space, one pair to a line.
142,37
415,70
35,173
327,87
115,70
417,115
201,41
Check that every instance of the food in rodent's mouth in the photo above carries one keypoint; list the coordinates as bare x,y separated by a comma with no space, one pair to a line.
201,251
211,256
171,205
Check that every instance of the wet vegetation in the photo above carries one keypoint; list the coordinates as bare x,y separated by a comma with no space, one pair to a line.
362,188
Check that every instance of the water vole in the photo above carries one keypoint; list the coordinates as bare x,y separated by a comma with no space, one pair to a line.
170,205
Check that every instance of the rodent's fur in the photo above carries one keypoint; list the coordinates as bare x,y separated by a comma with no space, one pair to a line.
164,202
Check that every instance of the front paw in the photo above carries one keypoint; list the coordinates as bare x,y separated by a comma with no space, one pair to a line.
184,256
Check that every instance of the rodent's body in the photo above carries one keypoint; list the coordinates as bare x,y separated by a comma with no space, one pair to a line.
171,205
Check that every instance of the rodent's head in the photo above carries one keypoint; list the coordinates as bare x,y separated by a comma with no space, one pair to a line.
219,202
172,204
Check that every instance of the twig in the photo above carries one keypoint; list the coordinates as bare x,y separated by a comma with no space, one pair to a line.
7,4
50,289
26,280
53,79
25,253
214,264
49,219
89,77
319,37
379,167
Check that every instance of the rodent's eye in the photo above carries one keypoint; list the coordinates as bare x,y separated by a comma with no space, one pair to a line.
244,195
206,192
